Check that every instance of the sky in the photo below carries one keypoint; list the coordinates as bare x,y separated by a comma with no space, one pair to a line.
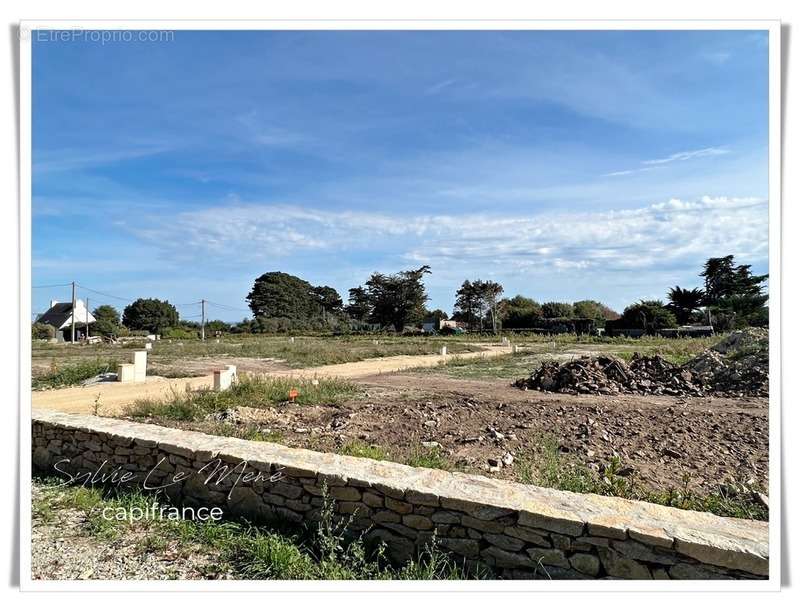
565,165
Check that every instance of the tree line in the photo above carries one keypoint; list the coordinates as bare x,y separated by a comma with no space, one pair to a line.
731,296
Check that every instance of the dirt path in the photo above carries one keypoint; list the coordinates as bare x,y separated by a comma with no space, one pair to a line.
112,396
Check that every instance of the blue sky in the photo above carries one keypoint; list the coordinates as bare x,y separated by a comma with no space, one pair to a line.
565,165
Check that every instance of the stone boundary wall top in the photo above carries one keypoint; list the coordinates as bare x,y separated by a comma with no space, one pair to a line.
518,531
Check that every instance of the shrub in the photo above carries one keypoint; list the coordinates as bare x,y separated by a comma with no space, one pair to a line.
41,330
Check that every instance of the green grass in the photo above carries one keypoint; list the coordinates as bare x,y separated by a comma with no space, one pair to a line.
304,351
546,467
71,374
359,449
431,458
250,391
328,550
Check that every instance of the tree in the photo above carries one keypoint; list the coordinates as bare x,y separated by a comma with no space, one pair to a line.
397,299
328,298
723,278
734,295
281,295
107,321
588,308
648,315
684,302
277,294
490,292
477,301
435,316
519,312
467,305
358,306
151,315
557,309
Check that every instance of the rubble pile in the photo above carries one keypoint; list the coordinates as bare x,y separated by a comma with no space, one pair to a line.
736,366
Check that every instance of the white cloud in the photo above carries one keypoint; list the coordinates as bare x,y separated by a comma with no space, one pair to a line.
664,234
686,155
650,164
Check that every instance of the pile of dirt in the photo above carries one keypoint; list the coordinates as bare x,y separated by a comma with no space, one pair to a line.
736,366
607,375
739,364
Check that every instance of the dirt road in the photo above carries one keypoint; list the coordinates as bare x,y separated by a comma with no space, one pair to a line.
112,396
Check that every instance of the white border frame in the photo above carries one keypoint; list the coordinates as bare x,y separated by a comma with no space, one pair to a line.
775,192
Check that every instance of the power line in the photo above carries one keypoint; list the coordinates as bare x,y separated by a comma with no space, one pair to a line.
227,307
86,288
50,286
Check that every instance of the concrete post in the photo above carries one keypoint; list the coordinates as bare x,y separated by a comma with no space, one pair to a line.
140,365
444,351
223,378
125,373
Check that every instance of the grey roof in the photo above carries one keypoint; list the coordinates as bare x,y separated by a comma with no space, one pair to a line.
57,315
60,313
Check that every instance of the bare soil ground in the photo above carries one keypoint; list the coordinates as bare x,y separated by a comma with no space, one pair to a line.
696,443
112,397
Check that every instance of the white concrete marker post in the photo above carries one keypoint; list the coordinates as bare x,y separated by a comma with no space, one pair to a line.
223,378
444,351
148,346
125,373
139,365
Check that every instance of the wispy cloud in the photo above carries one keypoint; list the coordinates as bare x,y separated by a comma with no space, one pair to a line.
615,240
649,164
686,155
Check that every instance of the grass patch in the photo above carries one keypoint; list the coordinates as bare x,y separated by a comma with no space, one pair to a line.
71,374
431,458
328,550
547,468
359,449
304,351
250,391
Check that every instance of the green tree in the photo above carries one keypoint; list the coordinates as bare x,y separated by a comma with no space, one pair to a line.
684,303
519,312
588,308
723,278
151,315
649,315
281,295
328,299
397,299
557,309
435,316
477,302
734,295
358,306
107,321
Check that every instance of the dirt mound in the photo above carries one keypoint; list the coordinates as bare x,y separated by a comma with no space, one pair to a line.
606,375
736,366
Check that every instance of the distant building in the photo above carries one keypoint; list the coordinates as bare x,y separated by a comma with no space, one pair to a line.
60,316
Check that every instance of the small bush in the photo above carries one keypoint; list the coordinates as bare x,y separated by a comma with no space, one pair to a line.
41,330
72,374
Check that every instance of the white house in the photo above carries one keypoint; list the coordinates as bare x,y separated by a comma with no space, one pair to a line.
60,316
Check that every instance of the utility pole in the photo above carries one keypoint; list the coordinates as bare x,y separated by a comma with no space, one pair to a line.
203,319
73,312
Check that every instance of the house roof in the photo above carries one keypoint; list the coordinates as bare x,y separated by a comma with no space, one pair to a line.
60,314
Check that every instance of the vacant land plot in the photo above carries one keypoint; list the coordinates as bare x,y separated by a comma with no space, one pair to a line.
185,358
705,453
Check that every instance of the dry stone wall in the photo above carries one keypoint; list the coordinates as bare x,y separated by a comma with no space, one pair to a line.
517,531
